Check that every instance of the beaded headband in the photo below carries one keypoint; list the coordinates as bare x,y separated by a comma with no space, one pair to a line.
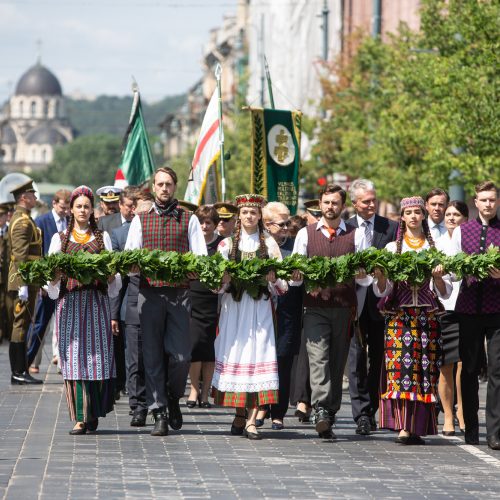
82,191
250,200
413,201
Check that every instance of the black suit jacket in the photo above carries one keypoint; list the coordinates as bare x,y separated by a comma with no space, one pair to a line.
384,231
48,226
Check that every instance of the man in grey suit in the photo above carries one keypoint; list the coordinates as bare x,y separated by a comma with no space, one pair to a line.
127,200
367,346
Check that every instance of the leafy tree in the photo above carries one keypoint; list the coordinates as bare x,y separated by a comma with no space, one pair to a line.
409,112
90,160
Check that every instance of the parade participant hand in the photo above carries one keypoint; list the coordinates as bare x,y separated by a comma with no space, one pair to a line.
57,277
23,293
378,273
438,272
192,276
361,274
297,275
115,327
326,293
135,269
494,273
111,278
226,278
271,276
314,293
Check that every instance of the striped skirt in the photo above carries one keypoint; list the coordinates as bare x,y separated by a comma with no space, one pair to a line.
245,399
89,399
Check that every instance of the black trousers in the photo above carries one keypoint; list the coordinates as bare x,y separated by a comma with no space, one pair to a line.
278,411
119,348
364,366
300,387
474,328
136,383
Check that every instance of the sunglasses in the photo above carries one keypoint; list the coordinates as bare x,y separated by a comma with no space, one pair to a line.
281,225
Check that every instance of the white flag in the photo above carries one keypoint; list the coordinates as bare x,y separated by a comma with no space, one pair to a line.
206,154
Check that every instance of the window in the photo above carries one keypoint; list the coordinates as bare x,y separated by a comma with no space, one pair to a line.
33,109
44,156
21,109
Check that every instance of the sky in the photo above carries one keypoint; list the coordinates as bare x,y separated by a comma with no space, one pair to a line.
95,46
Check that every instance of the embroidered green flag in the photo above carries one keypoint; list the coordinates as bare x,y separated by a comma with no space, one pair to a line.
276,155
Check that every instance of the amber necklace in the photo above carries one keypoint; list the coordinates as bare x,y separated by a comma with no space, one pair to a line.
81,237
414,242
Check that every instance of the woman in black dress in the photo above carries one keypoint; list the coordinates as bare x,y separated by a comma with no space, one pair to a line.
204,316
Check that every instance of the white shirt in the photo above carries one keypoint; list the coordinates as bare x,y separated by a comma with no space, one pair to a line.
196,239
437,230
445,244
61,222
359,235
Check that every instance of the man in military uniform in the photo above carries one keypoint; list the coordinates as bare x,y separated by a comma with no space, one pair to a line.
25,242
227,218
110,197
4,273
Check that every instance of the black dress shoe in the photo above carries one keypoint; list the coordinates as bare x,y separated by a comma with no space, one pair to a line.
78,431
303,417
364,426
328,434
415,440
174,414
237,430
161,424
92,425
448,433
402,439
24,379
205,404
259,422
322,420
252,434
472,436
191,403
493,442
139,418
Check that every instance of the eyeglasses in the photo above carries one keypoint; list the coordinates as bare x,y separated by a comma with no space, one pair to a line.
281,225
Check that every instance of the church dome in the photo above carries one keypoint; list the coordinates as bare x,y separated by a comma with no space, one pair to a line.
8,135
45,134
38,80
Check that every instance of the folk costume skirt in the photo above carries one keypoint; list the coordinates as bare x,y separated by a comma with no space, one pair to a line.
85,340
411,371
246,369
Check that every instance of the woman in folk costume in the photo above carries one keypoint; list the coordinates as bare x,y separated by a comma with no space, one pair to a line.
83,321
246,370
412,335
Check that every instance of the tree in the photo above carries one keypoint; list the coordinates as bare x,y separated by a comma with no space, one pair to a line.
90,160
410,112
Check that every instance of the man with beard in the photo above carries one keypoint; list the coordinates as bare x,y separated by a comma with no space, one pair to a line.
330,311
109,196
164,307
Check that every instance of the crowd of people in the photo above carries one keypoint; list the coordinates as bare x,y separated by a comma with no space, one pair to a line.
408,351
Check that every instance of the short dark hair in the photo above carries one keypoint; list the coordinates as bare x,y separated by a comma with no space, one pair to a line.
460,206
207,212
486,186
166,170
130,192
333,188
437,192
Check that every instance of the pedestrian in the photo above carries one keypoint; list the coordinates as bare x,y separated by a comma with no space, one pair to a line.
50,223
204,318
25,242
329,312
4,273
246,371
436,201
367,344
456,214
478,309
412,336
164,307
83,320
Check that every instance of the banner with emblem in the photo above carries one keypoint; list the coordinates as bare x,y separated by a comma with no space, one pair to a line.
276,155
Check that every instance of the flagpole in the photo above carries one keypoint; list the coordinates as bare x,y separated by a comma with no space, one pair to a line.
269,84
218,73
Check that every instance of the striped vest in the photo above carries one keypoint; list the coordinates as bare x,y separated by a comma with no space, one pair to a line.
343,294
164,233
479,297
72,285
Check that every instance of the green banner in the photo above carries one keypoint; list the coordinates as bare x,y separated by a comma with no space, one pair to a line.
276,155
137,163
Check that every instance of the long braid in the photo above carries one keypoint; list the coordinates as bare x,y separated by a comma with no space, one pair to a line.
427,233
262,241
97,232
67,233
401,235
236,239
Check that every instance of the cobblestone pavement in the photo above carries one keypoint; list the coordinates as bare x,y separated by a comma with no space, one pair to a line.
38,459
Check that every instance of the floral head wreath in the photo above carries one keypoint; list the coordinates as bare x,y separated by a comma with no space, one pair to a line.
250,200
413,201
82,191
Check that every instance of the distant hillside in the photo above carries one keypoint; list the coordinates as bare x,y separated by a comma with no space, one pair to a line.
109,114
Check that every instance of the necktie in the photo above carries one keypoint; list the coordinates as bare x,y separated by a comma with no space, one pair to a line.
331,232
368,234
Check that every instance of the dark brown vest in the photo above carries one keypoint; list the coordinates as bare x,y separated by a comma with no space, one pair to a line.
344,294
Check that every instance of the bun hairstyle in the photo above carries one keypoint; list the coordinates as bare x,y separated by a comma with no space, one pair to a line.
77,192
